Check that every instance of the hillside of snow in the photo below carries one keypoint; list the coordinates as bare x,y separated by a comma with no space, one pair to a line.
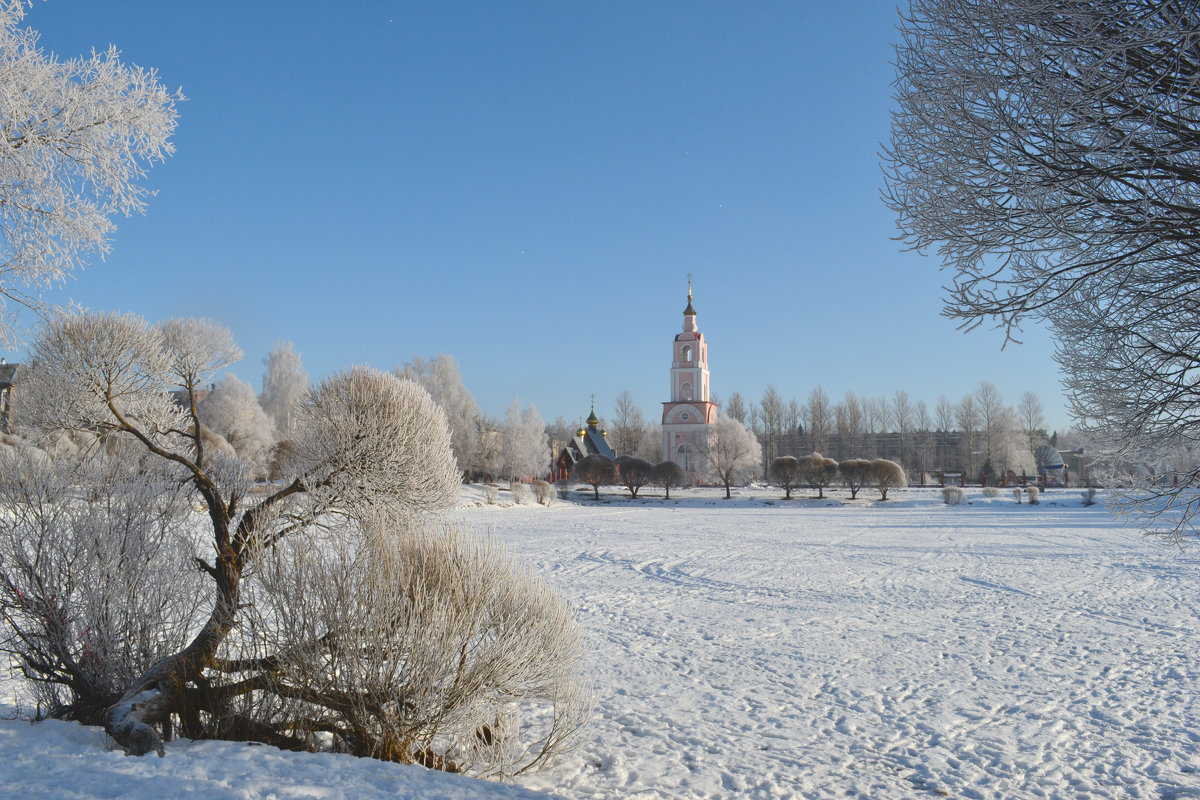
757,648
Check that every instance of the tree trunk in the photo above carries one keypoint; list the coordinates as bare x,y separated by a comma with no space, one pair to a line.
159,692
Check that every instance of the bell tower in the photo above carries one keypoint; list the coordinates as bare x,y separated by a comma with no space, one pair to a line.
689,412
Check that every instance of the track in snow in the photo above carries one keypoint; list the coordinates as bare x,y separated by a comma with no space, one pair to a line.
900,649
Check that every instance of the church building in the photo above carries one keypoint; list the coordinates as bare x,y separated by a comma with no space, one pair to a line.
589,441
689,413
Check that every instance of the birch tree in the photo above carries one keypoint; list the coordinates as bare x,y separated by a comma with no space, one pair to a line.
819,414
990,403
440,377
1033,420
735,408
284,381
966,416
526,448
628,423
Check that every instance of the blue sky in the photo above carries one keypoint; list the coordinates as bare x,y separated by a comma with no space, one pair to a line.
526,187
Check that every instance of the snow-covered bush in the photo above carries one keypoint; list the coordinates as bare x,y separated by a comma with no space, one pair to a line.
418,643
1016,492
817,471
856,473
991,492
887,475
1089,496
520,492
491,493
667,474
953,495
1034,493
785,472
98,584
543,492
594,470
633,473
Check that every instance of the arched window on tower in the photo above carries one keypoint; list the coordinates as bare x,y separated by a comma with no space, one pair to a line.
685,391
687,352
683,456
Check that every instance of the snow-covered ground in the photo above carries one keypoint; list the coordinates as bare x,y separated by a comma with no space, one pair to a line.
765,649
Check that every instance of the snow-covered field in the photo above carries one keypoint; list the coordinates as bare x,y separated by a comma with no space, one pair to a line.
762,649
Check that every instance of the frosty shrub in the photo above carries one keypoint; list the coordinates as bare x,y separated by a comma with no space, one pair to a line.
1034,493
543,492
785,472
1017,495
1089,496
563,487
991,491
818,471
414,643
633,473
667,474
856,473
953,495
595,471
491,493
888,475
520,492
98,583
306,592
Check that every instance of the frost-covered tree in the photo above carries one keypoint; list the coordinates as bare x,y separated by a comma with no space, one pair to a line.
440,377
887,475
771,411
650,442
78,137
793,426
326,607
1033,420
634,473
817,471
284,381
785,472
818,414
922,435
735,408
944,424
627,425
231,410
525,446
991,407
667,474
856,473
966,416
854,424
594,470
1047,151
731,451
875,412
903,422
